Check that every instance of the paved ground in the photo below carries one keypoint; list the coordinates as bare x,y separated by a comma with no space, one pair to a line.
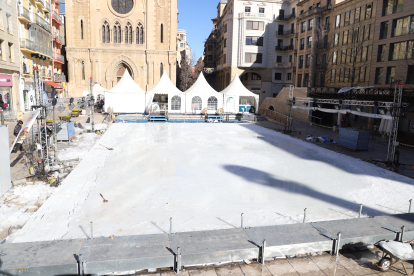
349,263
377,149
18,168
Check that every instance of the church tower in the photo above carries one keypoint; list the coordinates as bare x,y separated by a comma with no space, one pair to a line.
107,37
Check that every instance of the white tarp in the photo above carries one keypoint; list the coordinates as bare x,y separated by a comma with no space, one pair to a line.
97,90
126,96
27,126
166,87
346,89
345,111
5,174
201,90
237,90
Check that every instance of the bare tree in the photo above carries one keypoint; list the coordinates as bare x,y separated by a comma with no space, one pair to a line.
187,71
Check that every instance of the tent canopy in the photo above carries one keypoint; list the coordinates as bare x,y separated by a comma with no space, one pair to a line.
98,88
201,87
126,86
233,92
165,86
236,88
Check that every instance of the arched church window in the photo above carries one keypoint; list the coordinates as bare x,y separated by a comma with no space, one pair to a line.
161,69
140,34
128,34
81,24
105,32
121,70
162,33
122,6
117,33
108,34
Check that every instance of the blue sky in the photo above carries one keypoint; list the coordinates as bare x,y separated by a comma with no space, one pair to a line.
195,17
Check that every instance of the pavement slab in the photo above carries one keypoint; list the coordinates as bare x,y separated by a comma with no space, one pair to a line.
203,272
306,267
229,271
255,269
281,268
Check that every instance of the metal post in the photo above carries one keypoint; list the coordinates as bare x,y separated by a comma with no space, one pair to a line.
304,215
178,261
360,210
170,225
55,138
2,118
91,230
262,253
402,233
80,265
395,113
338,244
409,208
92,107
241,223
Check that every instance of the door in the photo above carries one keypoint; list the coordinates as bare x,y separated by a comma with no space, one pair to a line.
230,105
280,30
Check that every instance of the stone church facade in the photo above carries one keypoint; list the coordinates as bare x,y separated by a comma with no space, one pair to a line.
107,37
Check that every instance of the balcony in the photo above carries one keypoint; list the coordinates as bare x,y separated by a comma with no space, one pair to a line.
41,3
49,73
284,48
309,45
56,18
47,8
253,15
43,23
58,39
59,58
286,33
285,18
59,78
317,10
24,14
28,44
283,65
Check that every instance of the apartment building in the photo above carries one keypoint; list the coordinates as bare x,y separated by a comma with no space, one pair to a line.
252,39
58,42
209,54
35,47
349,59
313,26
183,49
393,48
9,57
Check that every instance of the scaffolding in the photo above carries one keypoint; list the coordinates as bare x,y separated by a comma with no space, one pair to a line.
395,113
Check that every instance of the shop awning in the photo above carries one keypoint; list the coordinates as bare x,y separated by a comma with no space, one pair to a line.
53,84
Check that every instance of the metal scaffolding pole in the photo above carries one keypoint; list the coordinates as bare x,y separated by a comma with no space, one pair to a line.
395,113
291,102
91,103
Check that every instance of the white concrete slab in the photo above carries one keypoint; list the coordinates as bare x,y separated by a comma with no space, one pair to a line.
204,176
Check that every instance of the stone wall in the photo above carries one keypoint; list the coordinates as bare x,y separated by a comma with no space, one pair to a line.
280,104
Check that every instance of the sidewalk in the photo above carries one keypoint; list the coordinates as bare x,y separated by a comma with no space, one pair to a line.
376,150
18,168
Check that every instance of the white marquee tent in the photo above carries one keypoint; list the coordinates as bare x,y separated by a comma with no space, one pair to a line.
237,98
126,96
176,99
201,95
98,91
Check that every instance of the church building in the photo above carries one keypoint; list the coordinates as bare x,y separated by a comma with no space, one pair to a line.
107,37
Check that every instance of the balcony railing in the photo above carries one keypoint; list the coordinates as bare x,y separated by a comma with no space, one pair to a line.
57,17
309,45
313,11
59,77
59,57
28,44
283,65
47,6
49,73
24,12
284,48
43,23
285,17
41,2
250,14
286,33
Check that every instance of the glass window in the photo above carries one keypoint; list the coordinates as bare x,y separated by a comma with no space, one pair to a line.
300,61
364,54
362,73
390,75
303,27
401,26
410,49
278,76
310,25
256,76
334,57
196,103
336,39
357,14
384,30
212,103
338,21
378,75
381,53
261,10
307,61
345,39
368,11
247,9
309,40
176,103
289,76
356,34
398,50
122,6
367,30
399,5
343,58
333,72
347,17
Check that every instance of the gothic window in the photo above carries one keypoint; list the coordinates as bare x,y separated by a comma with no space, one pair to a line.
122,6
81,24
162,33
196,103
117,33
212,103
140,34
83,70
176,103
128,34
161,69
105,32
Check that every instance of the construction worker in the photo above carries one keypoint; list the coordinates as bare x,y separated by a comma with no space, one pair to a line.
18,127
